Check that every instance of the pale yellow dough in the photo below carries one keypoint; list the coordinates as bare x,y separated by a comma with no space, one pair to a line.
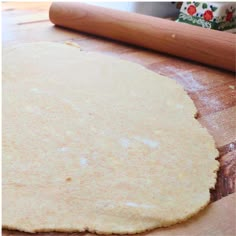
95,143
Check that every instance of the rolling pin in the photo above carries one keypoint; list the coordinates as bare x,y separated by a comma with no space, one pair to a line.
206,46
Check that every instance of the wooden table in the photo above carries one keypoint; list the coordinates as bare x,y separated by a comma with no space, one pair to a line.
212,90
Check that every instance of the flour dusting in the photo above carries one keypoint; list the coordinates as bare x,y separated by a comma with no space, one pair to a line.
83,162
186,78
63,149
133,204
231,147
35,90
125,142
149,142
179,106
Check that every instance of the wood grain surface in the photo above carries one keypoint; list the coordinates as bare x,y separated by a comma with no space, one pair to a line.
212,90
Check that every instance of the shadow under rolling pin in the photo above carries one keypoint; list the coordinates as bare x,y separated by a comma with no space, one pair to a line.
206,46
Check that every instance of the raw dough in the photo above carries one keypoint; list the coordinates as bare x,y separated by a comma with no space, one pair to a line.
94,143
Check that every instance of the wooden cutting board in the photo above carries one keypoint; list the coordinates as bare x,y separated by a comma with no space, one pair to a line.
212,90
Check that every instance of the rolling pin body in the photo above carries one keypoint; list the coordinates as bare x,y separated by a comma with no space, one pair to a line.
207,46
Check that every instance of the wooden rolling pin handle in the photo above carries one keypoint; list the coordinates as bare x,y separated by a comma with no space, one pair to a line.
207,46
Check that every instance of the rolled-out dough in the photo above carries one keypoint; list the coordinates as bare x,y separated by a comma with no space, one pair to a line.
94,143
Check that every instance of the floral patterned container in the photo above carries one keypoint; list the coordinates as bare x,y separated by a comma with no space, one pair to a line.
218,16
